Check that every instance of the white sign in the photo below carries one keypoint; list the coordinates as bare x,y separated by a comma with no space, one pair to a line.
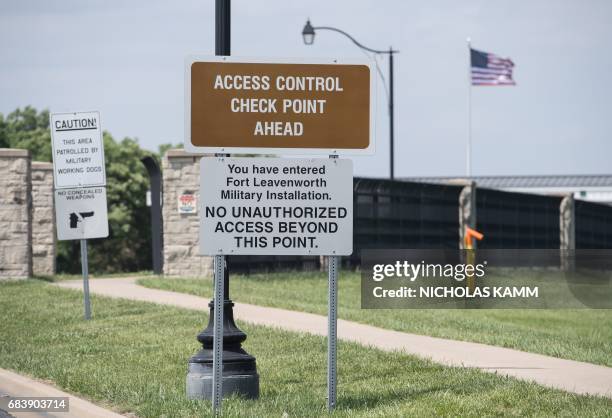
78,150
258,206
81,213
187,204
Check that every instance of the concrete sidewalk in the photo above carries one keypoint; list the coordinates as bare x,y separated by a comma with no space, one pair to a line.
13,384
568,375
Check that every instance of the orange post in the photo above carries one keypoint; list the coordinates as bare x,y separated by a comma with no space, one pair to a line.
469,234
469,245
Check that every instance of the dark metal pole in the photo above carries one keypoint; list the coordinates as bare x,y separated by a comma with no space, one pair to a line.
239,367
391,133
222,27
156,213
223,41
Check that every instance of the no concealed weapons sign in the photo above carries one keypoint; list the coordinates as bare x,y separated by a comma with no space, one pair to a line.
81,213
255,206
256,106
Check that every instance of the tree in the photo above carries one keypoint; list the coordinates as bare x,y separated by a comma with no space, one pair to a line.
28,129
163,148
3,138
128,247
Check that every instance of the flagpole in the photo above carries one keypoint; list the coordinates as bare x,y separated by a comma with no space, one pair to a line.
468,157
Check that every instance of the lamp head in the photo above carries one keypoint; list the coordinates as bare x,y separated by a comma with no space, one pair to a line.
308,33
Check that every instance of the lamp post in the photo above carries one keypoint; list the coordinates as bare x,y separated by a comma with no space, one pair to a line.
239,368
308,33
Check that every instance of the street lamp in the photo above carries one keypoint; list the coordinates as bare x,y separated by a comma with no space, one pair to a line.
308,33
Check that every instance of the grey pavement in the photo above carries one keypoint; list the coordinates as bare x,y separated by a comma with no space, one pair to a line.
13,384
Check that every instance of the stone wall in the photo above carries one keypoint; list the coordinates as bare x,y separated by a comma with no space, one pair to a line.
181,173
43,220
15,214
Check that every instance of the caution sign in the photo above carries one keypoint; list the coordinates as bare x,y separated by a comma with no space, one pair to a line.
258,206
276,107
78,151
81,213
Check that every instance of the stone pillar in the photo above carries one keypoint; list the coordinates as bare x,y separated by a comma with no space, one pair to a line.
181,175
467,211
43,220
567,233
567,223
323,263
15,214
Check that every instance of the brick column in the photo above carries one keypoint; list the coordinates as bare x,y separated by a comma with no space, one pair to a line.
15,214
181,175
43,220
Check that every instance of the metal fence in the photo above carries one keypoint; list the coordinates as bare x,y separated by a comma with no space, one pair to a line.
517,220
393,214
387,214
593,225
399,214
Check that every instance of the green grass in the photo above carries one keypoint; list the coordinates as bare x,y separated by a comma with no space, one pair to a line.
132,356
582,335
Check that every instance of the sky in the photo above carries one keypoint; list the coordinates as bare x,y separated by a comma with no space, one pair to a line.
126,59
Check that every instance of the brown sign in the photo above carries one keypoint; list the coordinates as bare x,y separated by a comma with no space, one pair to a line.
267,106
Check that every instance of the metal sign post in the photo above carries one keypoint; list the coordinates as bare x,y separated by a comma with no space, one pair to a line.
79,179
278,195
85,268
217,383
288,206
333,263
332,331
223,20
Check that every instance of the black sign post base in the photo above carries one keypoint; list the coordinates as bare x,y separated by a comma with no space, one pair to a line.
239,367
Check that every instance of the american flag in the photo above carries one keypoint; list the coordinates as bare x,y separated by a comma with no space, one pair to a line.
490,69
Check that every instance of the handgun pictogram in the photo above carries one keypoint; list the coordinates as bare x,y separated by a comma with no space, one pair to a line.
76,217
